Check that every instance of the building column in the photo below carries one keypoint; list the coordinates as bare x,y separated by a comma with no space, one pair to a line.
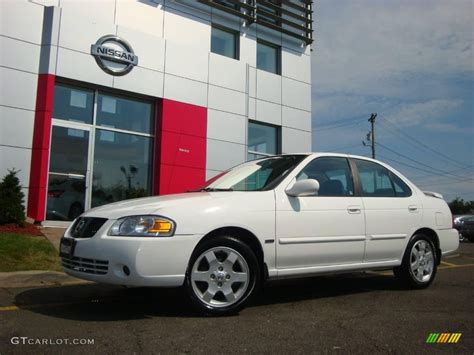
180,159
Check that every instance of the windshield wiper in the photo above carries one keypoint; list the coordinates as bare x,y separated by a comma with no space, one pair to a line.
214,189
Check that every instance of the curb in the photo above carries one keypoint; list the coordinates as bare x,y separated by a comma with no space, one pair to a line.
22,279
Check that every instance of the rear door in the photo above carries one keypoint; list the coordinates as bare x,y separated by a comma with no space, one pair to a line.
392,211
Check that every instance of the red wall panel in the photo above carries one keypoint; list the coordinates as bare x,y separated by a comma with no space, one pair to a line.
182,147
40,152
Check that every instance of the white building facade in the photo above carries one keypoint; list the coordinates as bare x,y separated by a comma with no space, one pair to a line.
107,100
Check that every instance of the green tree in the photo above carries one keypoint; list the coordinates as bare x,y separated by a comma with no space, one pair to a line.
459,206
12,208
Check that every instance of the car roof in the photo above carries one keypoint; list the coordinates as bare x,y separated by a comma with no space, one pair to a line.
332,154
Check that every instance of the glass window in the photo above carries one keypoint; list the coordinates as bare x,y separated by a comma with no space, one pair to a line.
228,4
374,179
333,174
224,42
262,140
268,13
257,175
73,103
268,57
401,189
121,167
122,113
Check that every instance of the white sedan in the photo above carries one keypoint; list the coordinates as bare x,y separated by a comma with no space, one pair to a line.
279,217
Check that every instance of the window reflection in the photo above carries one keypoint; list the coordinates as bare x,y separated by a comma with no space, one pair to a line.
262,139
268,57
73,103
122,113
224,42
121,167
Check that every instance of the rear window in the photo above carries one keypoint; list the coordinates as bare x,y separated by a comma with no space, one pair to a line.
378,181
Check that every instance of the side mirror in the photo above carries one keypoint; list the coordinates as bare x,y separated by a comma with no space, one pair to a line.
306,187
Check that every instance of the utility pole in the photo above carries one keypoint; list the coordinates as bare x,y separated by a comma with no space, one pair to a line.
372,132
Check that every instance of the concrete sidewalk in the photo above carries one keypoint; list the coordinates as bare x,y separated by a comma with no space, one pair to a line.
53,234
36,279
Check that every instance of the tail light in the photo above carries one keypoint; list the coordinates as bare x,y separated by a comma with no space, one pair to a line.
55,193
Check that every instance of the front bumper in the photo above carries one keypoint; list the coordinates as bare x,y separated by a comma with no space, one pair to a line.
131,261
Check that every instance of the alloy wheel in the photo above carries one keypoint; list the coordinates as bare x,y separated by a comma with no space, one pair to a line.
422,261
220,276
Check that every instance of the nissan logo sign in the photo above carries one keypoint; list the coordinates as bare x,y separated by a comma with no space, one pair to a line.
114,55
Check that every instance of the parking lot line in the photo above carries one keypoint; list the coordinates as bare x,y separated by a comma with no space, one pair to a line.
453,266
9,308
449,264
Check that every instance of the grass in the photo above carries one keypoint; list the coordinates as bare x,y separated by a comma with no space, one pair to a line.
19,252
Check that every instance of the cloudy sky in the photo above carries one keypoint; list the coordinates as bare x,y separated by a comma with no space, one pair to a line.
412,63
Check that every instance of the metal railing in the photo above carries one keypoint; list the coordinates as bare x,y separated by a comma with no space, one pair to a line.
290,17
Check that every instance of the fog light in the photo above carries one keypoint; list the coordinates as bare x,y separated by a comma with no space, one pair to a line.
126,270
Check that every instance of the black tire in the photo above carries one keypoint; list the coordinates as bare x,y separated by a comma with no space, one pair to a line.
404,272
228,243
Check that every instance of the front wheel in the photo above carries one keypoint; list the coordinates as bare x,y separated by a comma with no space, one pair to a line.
222,274
419,264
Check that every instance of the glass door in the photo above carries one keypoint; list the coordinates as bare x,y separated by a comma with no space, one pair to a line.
68,172
101,150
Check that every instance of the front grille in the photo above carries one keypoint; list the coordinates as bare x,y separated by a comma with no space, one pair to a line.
89,266
86,227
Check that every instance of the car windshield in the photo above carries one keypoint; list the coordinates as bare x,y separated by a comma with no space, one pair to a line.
255,175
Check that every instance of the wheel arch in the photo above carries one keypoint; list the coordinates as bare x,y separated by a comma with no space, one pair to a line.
246,237
434,238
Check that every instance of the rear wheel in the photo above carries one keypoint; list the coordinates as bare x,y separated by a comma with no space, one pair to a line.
222,275
419,264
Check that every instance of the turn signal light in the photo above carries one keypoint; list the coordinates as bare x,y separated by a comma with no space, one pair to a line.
161,226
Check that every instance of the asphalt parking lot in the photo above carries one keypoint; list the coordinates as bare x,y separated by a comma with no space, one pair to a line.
366,312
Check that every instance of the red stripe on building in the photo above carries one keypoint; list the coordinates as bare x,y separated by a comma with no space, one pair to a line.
40,151
181,136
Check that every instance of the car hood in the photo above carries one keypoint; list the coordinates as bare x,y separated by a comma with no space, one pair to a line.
151,205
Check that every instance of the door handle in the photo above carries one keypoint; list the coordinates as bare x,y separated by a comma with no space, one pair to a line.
353,209
412,208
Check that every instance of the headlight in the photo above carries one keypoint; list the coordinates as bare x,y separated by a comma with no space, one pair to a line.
143,226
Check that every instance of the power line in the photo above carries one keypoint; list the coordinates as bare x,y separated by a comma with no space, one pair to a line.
345,147
347,124
418,162
414,142
337,122
453,171
445,182
411,166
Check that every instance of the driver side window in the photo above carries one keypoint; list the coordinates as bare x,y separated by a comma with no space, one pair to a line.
333,174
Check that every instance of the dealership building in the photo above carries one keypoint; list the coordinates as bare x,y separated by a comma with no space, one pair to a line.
105,100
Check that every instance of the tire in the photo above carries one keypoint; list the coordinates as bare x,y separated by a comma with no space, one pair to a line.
223,273
462,239
418,274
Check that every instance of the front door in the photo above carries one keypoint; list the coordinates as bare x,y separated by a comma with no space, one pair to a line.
325,229
68,171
